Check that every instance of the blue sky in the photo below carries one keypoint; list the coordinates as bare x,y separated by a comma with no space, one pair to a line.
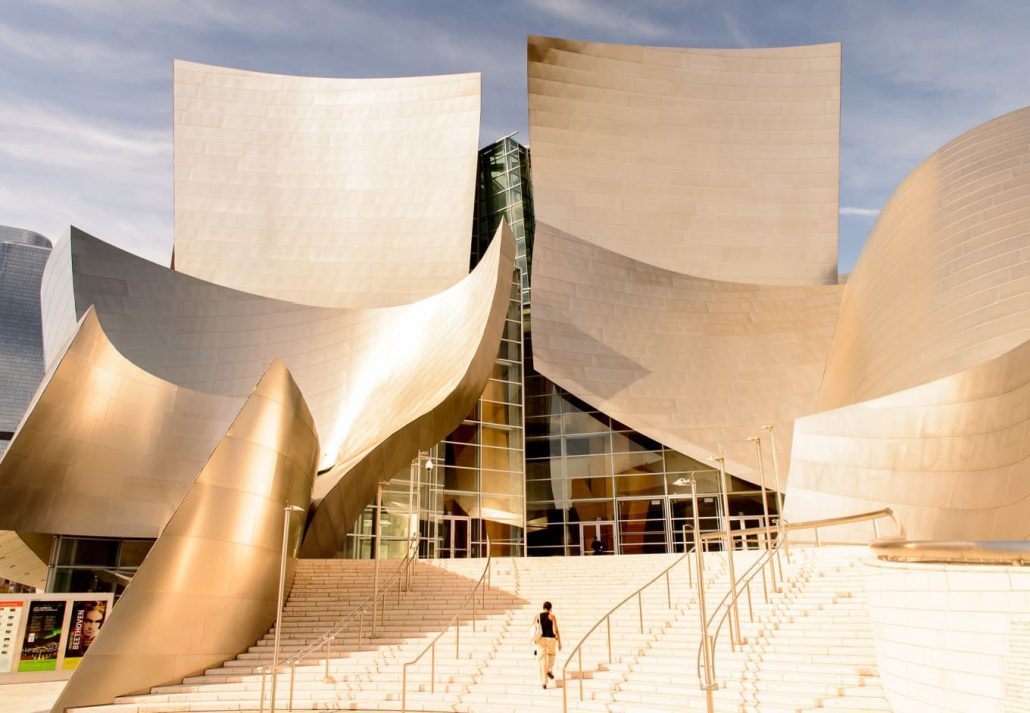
85,85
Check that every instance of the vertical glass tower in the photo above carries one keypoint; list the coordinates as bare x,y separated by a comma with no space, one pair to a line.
545,474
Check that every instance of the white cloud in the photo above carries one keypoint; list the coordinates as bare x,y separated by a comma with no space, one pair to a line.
603,16
864,212
78,54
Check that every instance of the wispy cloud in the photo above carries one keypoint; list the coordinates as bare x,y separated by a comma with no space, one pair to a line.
606,16
864,212
75,53
43,135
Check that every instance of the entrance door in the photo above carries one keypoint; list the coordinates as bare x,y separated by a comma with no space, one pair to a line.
681,511
455,536
602,531
641,525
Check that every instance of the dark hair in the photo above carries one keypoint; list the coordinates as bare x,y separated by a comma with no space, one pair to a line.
547,606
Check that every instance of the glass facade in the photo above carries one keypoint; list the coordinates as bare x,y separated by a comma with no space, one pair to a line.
95,564
579,481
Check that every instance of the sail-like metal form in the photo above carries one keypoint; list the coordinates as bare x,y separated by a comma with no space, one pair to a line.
717,163
944,279
324,191
209,586
696,364
685,268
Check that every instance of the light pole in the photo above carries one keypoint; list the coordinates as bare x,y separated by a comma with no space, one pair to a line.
767,535
706,644
776,472
416,514
735,637
287,511
375,556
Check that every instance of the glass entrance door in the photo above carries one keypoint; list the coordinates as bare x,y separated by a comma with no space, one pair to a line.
681,511
641,525
601,532
455,536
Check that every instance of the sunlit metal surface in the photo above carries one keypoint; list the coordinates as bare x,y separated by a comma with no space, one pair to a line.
364,373
19,563
107,449
324,191
943,281
699,365
719,163
950,457
956,552
208,588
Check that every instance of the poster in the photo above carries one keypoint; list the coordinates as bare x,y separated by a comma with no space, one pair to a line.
86,619
42,641
10,617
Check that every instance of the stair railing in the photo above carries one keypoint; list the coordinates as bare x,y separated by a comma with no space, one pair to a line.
401,577
481,586
577,650
705,675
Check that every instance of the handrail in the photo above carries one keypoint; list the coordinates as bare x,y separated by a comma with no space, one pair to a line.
1010,552
456,619
743,585
578,648
326,639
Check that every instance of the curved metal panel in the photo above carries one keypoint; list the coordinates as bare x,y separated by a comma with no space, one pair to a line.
719,163
950,457
209,585
944,279
107,449
364,373
421,401
322,191
696,364
19,562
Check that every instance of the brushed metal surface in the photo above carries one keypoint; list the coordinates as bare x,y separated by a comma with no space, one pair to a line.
107,449
699,365
208,587
718,163
943,281
324,191
951,457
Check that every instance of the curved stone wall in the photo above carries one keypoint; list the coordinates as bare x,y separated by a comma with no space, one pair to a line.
944,279
696,364
719,163
951,638
950,457
322,191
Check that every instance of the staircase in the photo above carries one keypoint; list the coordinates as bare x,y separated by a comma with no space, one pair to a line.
808,649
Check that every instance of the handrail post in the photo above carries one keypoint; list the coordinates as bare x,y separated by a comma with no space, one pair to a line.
668,589
404,688
293,673
709,683
640,609
728,535
432,670
328,652
876,529
818,542
581,673
261,704
609,620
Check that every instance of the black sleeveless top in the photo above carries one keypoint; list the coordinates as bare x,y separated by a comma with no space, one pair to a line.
546,626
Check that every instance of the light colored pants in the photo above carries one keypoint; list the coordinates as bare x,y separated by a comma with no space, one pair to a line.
547,648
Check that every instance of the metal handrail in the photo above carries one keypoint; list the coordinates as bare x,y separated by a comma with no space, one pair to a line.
728,599
326,639
455,620
578,648
783,529
1009,552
